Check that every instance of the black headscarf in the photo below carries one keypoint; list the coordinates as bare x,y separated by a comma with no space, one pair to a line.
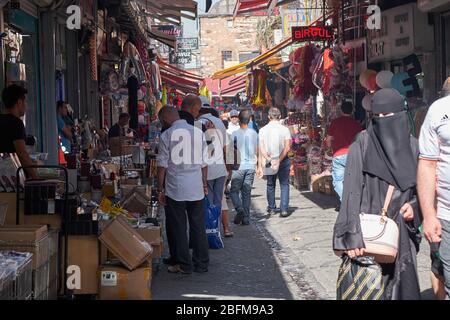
389,155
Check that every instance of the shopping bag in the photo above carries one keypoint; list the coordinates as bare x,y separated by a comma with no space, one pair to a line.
212,221
360,279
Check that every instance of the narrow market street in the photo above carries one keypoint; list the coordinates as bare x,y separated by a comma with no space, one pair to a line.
275,258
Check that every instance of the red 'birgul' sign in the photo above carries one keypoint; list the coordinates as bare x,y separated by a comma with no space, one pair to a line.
301,34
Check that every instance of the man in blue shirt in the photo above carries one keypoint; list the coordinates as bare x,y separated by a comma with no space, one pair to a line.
64,130
246,141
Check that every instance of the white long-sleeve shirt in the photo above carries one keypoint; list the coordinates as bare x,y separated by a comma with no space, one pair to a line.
183,152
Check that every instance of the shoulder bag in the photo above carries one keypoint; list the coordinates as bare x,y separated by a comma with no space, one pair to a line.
380,233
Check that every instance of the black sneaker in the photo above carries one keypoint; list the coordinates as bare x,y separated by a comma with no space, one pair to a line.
239,217
200,270
285,214
245,222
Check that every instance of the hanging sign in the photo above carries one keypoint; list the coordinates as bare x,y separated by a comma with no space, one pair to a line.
169,30
187,44
303,34
181,57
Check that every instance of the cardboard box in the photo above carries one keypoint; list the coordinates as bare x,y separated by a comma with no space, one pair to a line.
128,188
84,252
153,235
126,243
118,283
10,200
23,233
54,221
136,201
32,239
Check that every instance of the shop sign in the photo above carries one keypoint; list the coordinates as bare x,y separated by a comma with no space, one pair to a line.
181,57
187,43
169,30
297,13
302,34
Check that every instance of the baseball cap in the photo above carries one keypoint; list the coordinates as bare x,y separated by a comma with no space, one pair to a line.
205,102
234,113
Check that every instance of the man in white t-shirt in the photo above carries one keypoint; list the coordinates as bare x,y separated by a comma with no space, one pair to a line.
433,180
233,126
216,135
275,143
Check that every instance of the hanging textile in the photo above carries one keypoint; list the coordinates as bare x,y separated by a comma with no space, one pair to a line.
259,88
164,96
93,56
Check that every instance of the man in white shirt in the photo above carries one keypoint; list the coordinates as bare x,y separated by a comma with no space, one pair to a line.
275,143
216,135
182,186
433,180
233,126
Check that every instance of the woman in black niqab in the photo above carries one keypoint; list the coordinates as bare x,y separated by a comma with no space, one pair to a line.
386,154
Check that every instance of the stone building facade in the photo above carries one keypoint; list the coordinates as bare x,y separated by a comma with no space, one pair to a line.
225,41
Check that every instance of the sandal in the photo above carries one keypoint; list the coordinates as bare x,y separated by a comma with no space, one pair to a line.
228,234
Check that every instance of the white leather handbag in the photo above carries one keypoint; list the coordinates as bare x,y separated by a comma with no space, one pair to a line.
380,233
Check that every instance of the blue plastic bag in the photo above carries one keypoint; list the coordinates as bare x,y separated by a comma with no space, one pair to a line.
212,221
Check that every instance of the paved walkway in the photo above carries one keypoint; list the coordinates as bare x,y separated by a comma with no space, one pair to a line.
273,259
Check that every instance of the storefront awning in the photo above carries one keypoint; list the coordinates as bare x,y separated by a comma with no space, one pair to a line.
244,66
170,11
177,71
178,82
130,19
247,6
227,87
163,38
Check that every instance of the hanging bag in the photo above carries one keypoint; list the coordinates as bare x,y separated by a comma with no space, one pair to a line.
360,279
212,221
380,233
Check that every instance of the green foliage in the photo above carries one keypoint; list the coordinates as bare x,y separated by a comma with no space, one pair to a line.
265,28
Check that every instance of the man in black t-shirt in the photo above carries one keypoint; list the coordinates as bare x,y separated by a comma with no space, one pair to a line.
12,129
120,128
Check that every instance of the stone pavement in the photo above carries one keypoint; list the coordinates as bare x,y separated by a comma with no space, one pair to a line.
277,258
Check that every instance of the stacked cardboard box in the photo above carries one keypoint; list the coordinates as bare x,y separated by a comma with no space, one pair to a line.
130,276
36,240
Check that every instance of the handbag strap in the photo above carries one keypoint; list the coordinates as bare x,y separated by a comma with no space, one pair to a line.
387,201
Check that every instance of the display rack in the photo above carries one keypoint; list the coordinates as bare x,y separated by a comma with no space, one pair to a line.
64,214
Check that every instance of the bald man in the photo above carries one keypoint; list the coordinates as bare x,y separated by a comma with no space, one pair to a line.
182,186
190,108
167,116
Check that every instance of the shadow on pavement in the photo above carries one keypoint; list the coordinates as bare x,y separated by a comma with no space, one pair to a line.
245,269
324,201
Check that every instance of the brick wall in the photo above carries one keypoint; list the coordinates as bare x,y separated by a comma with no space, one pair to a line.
222,33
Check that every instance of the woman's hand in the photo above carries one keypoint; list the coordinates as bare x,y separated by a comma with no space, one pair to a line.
408,212
358,252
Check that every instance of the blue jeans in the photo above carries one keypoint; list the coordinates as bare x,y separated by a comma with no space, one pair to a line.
339,164
283,176
241,190
215,191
